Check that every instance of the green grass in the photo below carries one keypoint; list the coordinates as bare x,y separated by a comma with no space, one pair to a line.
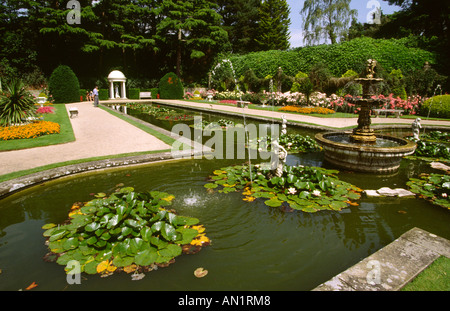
66,133
436,277
18,174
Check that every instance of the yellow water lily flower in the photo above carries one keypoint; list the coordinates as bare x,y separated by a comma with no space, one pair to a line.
199,228
169,198
105,266
200,240
249,199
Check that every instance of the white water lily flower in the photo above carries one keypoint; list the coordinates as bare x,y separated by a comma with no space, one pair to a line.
292,190
316,193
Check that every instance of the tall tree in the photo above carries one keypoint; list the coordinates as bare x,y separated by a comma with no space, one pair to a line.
240,20
273,26
191,28
326,19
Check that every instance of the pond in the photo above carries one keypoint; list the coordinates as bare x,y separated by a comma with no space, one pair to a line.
254,247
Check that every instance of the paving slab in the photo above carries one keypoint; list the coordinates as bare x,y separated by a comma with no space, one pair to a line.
392,267
97,133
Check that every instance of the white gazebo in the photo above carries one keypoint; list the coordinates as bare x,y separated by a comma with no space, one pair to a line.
117,76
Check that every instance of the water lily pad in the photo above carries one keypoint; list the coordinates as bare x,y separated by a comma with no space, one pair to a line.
200,272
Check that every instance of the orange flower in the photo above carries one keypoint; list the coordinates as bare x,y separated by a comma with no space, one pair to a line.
31,130
307,110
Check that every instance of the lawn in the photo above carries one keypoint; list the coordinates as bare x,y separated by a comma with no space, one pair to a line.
66,133
434,278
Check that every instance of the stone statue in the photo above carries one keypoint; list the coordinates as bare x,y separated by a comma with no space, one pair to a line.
117,92
278,161
416,128
283,125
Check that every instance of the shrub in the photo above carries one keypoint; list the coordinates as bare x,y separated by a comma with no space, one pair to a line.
437,106
103,94
83,93
133,93
170,87
15,104
64,85
155,92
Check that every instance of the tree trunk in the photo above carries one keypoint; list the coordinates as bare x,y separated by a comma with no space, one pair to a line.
178,69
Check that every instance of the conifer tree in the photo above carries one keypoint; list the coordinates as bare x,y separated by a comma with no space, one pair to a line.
273,26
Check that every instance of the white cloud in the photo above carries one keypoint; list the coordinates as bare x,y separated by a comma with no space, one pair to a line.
296,39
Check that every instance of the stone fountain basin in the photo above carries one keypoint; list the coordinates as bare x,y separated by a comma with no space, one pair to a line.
364,158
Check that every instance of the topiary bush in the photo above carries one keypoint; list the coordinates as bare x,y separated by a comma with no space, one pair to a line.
133,93
437,106
170,87
64,85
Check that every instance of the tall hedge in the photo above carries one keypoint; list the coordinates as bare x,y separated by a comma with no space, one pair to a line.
349,55
64,86
170,87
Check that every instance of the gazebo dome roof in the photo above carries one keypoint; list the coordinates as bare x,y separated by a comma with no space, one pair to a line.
116,75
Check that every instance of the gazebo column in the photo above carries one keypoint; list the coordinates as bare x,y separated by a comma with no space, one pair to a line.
111,90
123,90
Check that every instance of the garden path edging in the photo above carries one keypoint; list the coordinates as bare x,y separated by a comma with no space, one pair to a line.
393,266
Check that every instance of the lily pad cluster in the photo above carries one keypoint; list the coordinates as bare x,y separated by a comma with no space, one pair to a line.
126,231
432,187
219,124
309,189
293,143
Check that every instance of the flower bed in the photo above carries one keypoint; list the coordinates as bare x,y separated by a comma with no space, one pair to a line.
45,109
307,110
31,130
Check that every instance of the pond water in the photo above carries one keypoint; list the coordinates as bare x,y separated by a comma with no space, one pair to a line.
254,247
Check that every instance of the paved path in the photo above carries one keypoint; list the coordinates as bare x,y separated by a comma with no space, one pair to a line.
327,122
97,133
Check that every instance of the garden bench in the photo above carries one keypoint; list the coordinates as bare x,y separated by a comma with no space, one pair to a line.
241,103
73,112
145,95
397,112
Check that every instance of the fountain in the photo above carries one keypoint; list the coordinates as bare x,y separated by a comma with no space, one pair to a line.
362,150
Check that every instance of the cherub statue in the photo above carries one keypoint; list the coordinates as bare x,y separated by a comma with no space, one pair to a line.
416,128
283,125
279,160
371,63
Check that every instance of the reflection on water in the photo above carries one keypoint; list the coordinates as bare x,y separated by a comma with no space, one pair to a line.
254,247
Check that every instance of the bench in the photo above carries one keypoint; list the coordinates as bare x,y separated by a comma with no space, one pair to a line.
241,103
73,112
397,112
145,95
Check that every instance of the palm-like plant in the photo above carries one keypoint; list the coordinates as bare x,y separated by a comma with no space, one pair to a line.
16,104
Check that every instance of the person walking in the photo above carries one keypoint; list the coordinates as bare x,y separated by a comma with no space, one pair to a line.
95,91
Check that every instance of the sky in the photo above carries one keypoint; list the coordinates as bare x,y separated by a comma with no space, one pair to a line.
359,5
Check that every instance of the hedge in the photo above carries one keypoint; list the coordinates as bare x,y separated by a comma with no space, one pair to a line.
133,93
349,55
103,94
440,107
